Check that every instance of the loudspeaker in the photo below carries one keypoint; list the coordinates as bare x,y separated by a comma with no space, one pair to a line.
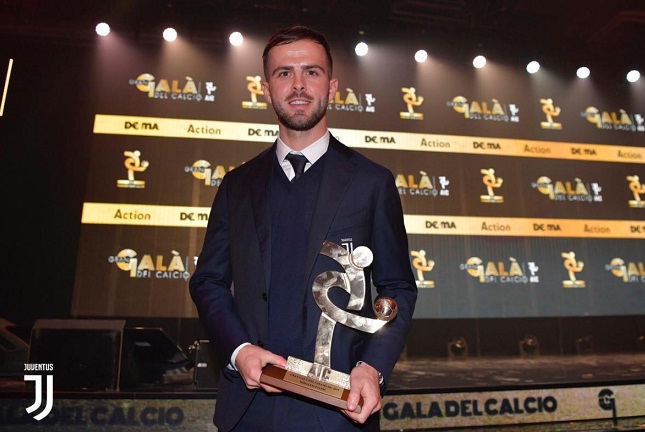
13,350
85,354
207,365
151,357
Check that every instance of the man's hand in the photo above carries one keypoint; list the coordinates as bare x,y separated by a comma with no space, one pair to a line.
249,363
364,383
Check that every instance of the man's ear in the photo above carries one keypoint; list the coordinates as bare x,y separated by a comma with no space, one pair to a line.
333,87
265,91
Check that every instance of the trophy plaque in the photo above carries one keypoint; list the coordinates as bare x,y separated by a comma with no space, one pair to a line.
317,380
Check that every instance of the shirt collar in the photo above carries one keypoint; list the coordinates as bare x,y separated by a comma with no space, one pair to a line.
312,152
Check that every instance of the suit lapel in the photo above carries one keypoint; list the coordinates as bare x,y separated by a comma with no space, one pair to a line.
337,174
260,193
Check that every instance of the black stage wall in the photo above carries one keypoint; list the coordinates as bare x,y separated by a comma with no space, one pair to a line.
523,194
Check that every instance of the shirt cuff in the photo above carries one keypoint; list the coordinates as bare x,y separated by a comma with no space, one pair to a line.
231,364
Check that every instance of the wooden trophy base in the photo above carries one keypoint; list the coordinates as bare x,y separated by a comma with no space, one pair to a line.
306,386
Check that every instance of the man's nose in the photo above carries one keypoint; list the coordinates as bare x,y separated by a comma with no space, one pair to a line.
298,83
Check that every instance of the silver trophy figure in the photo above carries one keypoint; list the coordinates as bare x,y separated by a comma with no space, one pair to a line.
318,379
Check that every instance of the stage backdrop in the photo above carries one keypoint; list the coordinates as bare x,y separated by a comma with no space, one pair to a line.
524,196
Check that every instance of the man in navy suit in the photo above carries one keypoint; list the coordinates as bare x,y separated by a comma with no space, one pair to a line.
253,282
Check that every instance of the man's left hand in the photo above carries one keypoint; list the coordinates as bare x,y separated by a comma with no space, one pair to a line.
364,382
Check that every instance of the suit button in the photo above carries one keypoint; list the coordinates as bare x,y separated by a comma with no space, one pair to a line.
265,296
260,343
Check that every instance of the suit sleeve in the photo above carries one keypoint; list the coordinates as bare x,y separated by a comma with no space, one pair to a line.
211,284
392,276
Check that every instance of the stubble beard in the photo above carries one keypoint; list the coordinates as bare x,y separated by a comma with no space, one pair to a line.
300,122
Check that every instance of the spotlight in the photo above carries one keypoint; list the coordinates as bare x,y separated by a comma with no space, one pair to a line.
421,56
170,34
458,348
236,38
529,346
533,67
479,61
633,76
583,72
361,49
102,29
584,345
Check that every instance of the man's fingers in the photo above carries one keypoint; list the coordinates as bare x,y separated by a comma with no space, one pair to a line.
353,399
270,389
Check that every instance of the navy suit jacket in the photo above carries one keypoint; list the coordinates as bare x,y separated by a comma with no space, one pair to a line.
357,203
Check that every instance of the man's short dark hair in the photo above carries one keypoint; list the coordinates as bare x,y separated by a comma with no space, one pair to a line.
294,34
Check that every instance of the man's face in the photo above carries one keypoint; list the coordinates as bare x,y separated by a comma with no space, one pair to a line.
298,85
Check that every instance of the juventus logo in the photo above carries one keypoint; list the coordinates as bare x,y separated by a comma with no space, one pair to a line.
49,402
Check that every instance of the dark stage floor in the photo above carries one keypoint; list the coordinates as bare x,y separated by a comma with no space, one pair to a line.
425,377
427,374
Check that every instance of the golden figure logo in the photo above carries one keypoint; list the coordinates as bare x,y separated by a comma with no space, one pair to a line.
573,266
491,182
550,111
638,189
422,265
254,86
133,163
411,99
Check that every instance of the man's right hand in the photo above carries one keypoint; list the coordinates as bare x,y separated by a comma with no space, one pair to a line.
251,360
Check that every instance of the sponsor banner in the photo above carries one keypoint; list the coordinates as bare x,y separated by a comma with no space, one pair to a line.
112,414
258,132
398,412
524,227
184,128
197,217
144,215
496,408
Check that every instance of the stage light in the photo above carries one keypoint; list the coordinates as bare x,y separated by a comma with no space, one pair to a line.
170,34
529,346
102,29
421,56
361,49
236,38
458,348
479,61
633,76
583,72
533,67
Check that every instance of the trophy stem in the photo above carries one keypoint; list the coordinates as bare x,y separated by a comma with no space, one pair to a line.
323,340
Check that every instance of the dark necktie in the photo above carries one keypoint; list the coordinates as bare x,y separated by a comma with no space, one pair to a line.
298,163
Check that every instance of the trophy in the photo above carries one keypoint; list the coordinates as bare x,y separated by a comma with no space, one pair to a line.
318,380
